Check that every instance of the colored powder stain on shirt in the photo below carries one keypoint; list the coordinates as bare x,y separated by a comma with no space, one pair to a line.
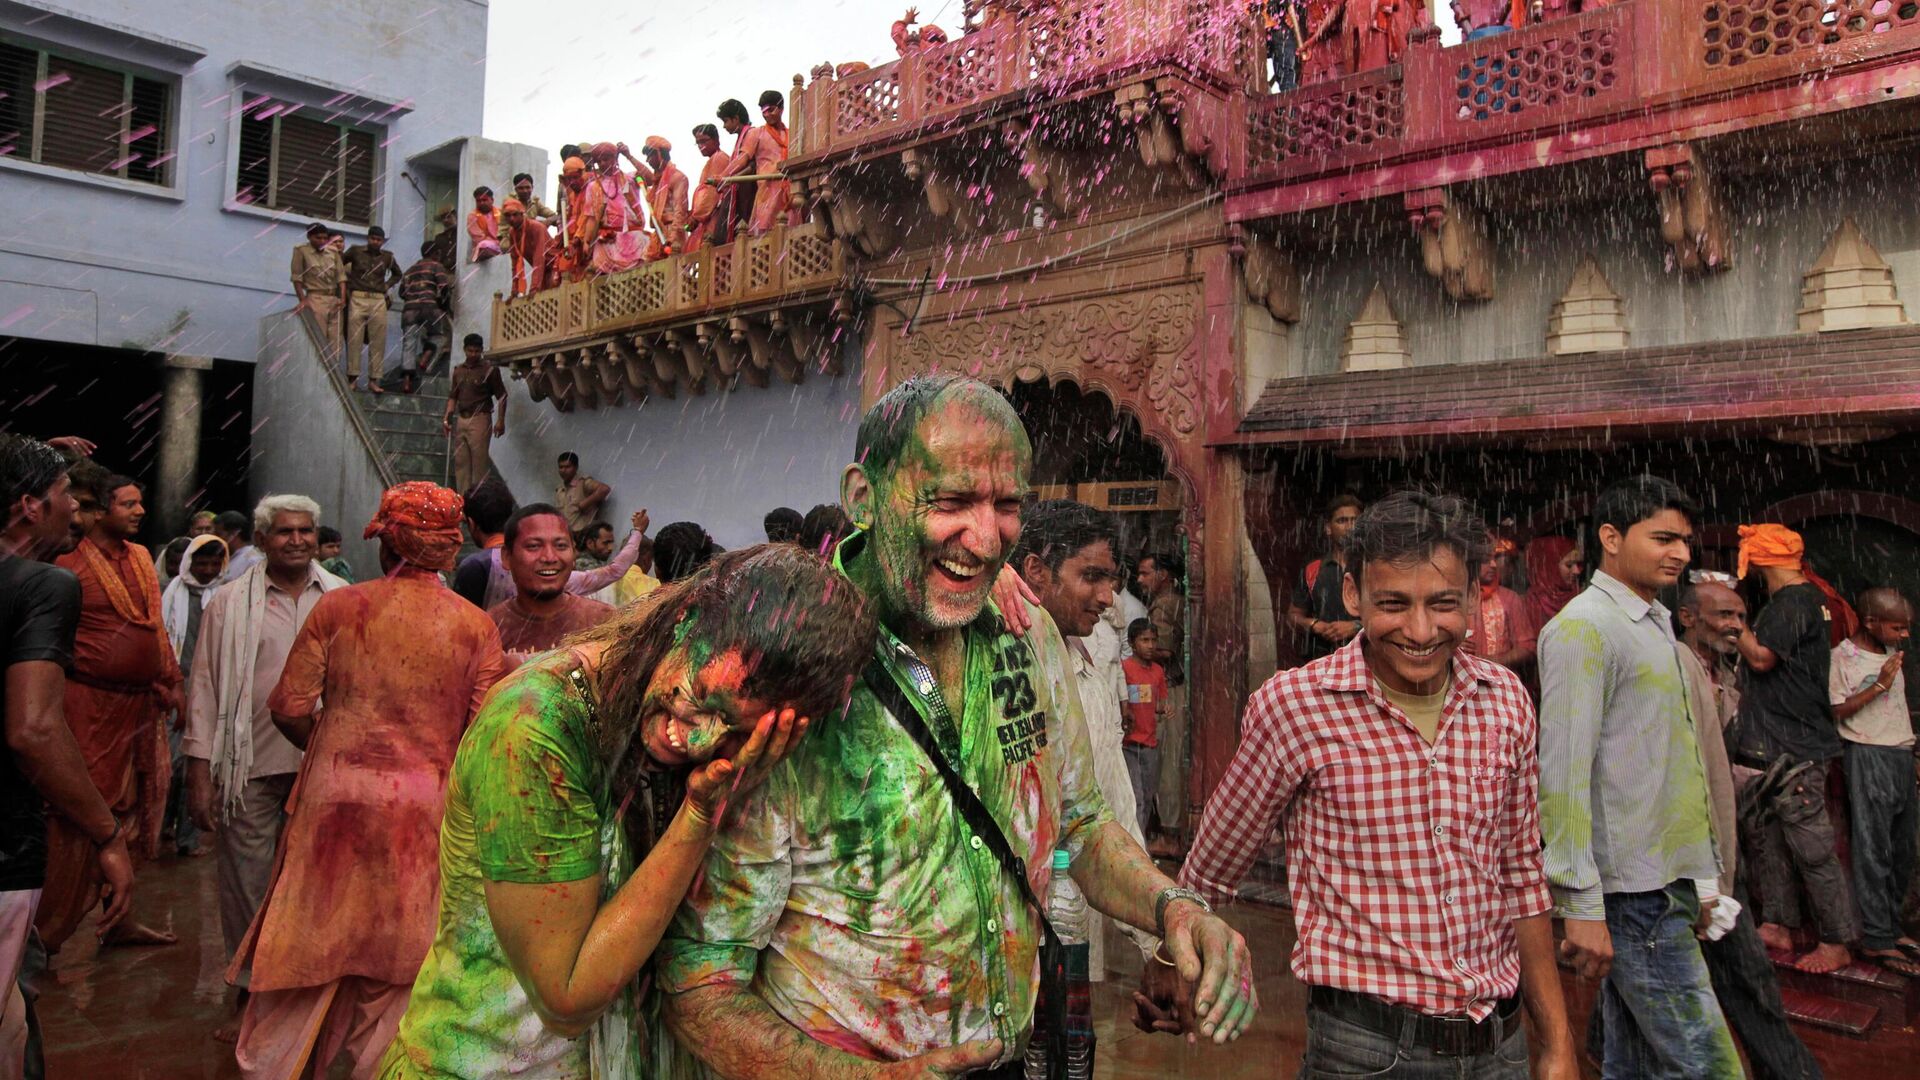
527,802
890,928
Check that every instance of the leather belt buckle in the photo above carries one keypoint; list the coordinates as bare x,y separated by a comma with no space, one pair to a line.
1454,1036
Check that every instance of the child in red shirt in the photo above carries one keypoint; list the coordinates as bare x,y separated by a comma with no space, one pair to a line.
1145,703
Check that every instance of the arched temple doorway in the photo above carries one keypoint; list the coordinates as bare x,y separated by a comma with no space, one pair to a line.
1086,449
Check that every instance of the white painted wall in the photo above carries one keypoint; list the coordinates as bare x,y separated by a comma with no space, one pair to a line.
98,261
722,459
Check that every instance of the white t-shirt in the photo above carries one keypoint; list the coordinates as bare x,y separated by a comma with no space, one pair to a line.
1882,721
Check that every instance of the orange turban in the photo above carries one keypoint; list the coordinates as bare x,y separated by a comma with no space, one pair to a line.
603,150
1770,545
655,142
513,206
421,522
573,165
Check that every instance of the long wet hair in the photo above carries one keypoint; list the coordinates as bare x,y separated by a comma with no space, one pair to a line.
804,631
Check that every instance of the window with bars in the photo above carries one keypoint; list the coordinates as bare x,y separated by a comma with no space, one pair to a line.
317,168
72,114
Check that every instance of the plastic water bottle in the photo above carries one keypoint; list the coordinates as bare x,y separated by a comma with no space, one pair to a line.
1067,911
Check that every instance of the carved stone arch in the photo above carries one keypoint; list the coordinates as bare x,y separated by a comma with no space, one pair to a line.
1158,435
1140,348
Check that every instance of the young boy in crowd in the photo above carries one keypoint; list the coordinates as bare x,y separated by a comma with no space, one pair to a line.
1869,695
1146,704
329,553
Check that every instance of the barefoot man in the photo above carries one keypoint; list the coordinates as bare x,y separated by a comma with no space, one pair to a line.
124,679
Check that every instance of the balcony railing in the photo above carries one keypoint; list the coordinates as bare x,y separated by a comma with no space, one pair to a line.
1612,62
1054,51
785,262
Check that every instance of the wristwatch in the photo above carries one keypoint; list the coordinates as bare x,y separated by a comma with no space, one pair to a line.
1168,896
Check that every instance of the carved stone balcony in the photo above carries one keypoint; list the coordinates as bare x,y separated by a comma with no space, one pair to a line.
1057,50
1633,76
754,306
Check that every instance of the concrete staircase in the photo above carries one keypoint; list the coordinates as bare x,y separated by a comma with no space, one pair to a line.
407,427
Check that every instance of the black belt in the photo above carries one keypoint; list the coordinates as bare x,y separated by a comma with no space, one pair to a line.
1448,1036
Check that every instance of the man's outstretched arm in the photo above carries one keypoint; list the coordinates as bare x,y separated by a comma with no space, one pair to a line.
737,1036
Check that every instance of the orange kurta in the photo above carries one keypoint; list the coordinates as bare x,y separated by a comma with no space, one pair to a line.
527,254
667,201
617,243
706,201
775,198
402,664
121,658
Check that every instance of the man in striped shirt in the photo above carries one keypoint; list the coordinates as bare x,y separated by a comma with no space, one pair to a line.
1629,848
1403,771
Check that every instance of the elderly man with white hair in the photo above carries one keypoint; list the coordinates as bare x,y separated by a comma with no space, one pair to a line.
240,769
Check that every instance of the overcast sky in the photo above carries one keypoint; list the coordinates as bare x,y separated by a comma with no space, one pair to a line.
621,70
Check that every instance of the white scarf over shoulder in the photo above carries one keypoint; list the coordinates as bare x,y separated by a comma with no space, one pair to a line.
233,655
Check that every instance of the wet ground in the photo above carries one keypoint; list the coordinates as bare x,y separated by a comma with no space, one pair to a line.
148,1014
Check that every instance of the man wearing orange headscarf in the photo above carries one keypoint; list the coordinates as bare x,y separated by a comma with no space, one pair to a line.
666,198
526,247
1785,726
401,663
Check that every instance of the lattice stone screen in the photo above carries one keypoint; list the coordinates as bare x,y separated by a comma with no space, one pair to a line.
692,278
1327,122
723,278
809,255
962,72
1539,74
866,101
1737,32
1081,36
635,292
762,262
529,318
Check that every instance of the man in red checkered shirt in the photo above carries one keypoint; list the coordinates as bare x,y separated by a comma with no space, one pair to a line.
1404,772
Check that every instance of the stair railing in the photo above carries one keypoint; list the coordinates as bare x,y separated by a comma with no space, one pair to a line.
331,365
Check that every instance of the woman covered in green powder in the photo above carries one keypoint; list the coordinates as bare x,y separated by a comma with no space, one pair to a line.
624,746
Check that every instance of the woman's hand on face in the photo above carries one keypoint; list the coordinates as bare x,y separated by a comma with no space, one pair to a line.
712,786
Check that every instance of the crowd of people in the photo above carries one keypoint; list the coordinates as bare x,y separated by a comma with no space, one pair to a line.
1312,40
789,810
1692,764
607,219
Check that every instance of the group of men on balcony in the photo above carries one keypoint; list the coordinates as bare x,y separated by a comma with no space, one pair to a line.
1312,40
610,220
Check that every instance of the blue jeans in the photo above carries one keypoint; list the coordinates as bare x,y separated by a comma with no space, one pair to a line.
1883,804
1662,1019
1337,1049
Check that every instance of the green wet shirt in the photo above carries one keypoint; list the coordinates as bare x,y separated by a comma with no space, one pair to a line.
849,892
526,802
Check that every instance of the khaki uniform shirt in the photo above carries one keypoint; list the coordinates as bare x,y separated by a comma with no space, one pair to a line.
318,272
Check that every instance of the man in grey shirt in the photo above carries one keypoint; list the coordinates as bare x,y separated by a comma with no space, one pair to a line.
1623,796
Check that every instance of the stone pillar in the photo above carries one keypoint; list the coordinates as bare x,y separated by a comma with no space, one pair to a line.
1217,678
180,409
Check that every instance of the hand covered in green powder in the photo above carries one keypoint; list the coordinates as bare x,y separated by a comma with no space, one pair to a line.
712,786
1213,958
